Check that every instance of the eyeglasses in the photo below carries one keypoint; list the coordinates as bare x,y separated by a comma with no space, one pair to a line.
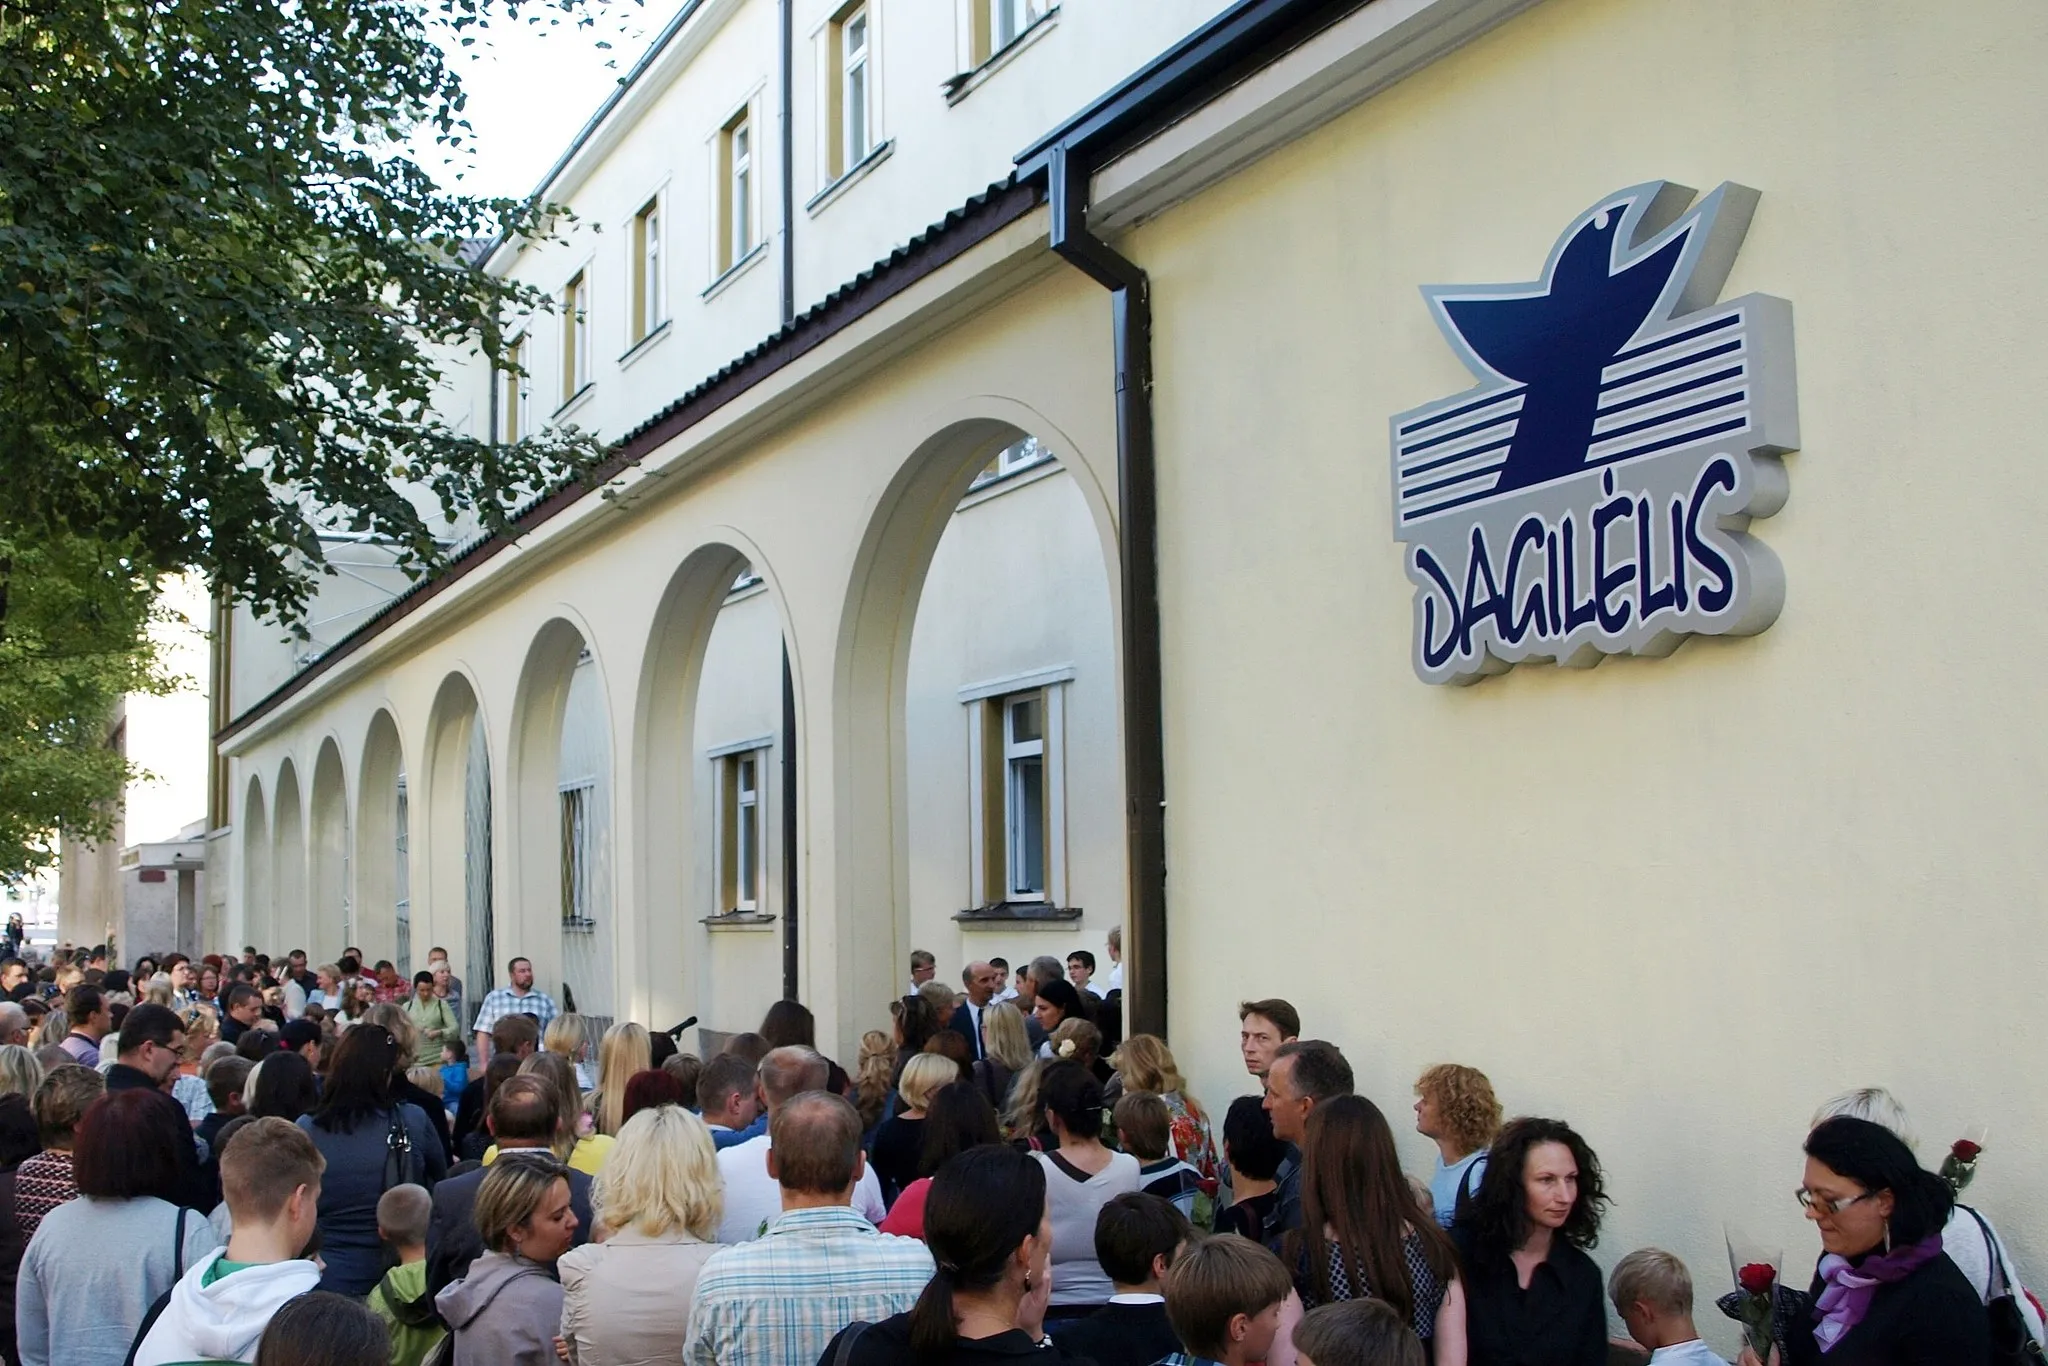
1808,1200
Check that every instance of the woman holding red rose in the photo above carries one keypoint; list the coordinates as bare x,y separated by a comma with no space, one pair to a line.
1884,1294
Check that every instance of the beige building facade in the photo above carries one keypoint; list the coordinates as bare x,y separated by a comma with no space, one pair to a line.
1678,899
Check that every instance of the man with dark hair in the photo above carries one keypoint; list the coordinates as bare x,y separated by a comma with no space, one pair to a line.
819,1265
516,1035
14,979
1255,1156
152,1043
184,985
1303,1075
1081,972
522,1119
1004,990
244,1008
1263,1026
752,1191
91,1020
1137,1238
727,1098
518,999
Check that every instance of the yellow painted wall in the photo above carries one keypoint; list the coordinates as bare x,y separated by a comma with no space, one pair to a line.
1677,902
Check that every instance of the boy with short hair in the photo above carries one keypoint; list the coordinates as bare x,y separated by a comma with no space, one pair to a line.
1652,1291
1137,1237
1224,1298
401,1298
1356,1333
1144,1129
270,1176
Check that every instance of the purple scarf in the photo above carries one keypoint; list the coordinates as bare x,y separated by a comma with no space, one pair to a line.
1847,1290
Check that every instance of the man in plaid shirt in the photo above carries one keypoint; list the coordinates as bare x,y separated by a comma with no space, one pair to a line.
518,999
779,1300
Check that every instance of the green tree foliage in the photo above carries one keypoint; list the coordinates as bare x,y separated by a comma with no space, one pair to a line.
76,642
223,283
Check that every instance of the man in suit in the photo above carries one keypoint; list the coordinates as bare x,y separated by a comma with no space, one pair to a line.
980,981
1137,1237
522,1119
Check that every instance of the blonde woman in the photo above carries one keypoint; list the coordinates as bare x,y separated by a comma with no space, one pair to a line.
160,991
627,1299
569,1035
188,1087
1008,1044
627,1049
894,1151
1145,1063
584,1151
20,1073
871,1078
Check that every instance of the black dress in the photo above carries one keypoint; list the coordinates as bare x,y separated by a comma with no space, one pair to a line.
888,1344
894,1154
1560,1320
1931,1318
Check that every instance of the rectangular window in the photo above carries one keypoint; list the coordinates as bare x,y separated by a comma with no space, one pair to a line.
1024,795
1012,459
999,23
742,843
515,393
649,301
853,116
576,854
575,336
736,191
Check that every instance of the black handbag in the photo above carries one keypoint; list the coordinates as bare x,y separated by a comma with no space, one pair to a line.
397,1151
2012,1342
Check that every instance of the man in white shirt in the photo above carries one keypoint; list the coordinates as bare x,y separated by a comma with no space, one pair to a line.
1005,989
1652,1292
1113,980
1081,972
753,1197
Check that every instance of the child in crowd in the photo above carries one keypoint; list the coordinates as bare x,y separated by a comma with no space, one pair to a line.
1224,1298
1652,1291
1144,1129
454,1073
1137,1238
401,1298
270,1176
1254,1156
1356,1333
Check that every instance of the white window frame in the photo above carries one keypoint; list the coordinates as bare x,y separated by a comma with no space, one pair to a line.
989,28
737,185
1016,754
650,285
990,830
856,85
515,394
739,858
576,334
1014,458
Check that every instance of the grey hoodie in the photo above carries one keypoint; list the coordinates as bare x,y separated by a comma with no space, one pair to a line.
506,1310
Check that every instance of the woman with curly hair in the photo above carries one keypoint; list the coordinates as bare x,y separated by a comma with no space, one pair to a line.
872,1078
1531,1292
1145,1063
1455,1108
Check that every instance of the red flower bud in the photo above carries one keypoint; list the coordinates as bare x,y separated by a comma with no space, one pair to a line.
1965,1151
1757,1278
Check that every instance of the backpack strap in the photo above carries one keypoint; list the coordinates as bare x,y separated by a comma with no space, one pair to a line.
846,1341
1993,1257
178,1246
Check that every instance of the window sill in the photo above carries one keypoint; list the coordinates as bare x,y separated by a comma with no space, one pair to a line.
998,485
579,925
738,920
1019,913
965,84
645,344
735,270
825,198
574,401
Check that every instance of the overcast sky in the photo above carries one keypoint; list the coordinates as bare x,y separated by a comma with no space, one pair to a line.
533,85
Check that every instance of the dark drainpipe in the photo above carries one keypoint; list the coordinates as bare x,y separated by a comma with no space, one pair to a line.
789,847
1138,566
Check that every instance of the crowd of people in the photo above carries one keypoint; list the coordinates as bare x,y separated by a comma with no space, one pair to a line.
257,1160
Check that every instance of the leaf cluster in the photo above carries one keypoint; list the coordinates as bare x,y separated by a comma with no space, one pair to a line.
224,283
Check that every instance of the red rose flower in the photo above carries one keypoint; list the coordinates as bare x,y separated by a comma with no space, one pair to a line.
1965,1151
1757,1278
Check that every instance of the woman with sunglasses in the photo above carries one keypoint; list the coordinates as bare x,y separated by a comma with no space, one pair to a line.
1884,1293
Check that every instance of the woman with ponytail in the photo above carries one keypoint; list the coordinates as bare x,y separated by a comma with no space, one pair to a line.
1884,1294
986,1224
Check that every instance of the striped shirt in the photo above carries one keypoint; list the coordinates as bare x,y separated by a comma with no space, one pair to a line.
779,1300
